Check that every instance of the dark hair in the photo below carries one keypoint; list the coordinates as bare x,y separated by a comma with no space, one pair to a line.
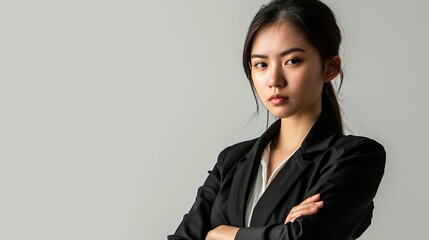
317,24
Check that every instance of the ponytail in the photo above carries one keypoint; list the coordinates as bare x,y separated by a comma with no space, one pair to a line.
331,106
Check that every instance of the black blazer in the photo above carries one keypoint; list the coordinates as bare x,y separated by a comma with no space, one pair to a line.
345,170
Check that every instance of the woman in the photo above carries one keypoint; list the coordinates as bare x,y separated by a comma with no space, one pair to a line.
302,179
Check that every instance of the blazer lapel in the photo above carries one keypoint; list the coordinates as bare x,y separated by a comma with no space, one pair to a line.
278,189
245,175
318,139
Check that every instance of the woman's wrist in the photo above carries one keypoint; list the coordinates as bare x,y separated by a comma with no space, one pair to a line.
222,232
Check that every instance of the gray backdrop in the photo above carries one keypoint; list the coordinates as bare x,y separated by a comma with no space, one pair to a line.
111,112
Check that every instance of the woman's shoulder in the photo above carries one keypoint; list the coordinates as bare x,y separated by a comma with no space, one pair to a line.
232,154
351,148
353,141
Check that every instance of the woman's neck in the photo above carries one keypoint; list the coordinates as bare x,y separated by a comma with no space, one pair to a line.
293,131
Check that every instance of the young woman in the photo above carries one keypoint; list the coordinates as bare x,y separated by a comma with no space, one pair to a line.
303,178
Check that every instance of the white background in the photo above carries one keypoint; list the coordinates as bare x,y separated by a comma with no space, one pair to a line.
111,112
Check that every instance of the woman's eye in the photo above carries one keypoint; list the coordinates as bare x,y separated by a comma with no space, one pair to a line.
293,61
260,65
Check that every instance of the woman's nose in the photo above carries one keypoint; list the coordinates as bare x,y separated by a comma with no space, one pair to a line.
277,78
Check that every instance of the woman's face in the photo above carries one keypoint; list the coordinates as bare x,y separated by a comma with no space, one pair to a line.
286,72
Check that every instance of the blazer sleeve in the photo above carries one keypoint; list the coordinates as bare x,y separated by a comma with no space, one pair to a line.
196,224
348,183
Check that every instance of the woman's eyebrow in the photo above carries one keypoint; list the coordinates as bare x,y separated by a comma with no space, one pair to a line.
284,53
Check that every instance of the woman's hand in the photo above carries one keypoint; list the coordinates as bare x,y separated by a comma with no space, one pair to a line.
222,232
309,206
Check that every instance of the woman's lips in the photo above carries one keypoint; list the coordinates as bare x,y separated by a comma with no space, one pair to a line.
276,100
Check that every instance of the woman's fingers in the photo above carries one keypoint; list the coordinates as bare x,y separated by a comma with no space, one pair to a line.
313,198
309,206
303,210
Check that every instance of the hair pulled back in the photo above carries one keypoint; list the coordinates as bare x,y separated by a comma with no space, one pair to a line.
317,24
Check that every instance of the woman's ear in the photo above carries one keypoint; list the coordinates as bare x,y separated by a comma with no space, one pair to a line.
332,68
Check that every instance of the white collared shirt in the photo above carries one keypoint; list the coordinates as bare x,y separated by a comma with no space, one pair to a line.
261,183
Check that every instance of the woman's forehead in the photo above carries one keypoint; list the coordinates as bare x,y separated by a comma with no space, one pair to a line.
278,37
